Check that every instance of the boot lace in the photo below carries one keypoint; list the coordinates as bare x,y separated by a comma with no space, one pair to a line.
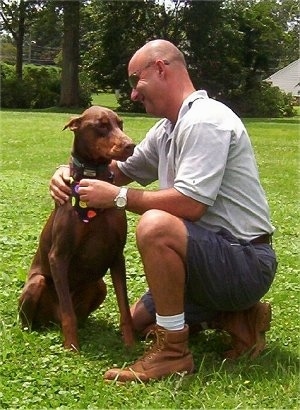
157,344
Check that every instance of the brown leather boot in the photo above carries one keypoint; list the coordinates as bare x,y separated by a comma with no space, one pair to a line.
247,329
168,355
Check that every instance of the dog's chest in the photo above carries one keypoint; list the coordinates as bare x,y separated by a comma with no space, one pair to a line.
95,251
83,212
81,170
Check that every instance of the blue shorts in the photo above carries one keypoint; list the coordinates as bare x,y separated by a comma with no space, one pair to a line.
222,274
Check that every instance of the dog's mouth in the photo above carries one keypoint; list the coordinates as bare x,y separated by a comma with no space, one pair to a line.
125,153
124,158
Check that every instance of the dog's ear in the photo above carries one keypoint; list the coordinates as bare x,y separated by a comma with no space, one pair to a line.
73,124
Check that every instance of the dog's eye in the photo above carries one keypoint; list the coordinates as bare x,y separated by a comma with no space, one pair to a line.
102,131
120,124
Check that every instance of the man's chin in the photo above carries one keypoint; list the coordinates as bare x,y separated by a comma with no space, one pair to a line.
150,110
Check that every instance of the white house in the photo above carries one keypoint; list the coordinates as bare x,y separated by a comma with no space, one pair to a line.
288,78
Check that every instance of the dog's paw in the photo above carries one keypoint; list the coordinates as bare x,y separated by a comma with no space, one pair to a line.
128,336
73,347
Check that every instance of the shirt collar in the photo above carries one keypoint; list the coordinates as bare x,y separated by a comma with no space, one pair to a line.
186,105
188,102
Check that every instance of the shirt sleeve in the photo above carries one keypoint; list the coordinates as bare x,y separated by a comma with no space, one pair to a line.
202,150
142,166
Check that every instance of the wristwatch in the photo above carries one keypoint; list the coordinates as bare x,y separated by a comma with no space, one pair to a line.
120,200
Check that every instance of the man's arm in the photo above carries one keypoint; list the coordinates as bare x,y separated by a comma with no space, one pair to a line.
119,177
100,194
169,200
60,190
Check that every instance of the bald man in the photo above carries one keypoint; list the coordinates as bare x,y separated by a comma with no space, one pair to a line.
205,235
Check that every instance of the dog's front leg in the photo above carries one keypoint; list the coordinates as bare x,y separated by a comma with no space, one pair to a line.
59,265
118,274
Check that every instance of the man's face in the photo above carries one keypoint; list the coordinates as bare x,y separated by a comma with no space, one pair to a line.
143,77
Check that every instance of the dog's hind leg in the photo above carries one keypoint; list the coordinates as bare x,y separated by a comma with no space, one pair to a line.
87,298
29,300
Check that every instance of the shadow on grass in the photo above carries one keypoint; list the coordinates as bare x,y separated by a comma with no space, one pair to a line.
98,332
101,343
275,362
99,339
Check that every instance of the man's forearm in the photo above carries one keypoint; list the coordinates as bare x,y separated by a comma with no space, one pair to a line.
119,177
169,200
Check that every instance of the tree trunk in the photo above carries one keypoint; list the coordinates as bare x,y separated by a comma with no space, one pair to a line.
19,40
69,95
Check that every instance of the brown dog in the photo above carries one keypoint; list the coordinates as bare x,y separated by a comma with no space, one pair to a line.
78,245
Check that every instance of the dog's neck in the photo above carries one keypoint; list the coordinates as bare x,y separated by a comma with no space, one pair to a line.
82,169
78,170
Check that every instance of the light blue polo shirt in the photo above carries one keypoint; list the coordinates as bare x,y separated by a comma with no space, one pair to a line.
207,156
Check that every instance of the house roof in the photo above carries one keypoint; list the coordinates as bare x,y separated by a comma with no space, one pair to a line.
288,78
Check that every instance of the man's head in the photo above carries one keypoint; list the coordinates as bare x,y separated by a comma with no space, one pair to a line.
159,78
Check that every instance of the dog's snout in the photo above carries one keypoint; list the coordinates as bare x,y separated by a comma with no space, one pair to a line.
129,148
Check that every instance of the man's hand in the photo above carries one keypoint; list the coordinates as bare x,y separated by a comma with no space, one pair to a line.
59,189
97,194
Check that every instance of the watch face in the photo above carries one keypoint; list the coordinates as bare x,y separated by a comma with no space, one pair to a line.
121,202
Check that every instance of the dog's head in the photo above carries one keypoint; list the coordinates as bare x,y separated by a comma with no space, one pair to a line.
99,136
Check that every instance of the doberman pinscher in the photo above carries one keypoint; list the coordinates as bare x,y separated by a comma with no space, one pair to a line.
78,245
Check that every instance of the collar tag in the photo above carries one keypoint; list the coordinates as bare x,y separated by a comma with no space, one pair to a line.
88,172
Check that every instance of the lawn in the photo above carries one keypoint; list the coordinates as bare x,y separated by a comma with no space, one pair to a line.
36,372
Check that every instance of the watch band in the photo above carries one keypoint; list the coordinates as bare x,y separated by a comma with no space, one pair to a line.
121,199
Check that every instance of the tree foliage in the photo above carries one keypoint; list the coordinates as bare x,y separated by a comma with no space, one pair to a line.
17,16
230,45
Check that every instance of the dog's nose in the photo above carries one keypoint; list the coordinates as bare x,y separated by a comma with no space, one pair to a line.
129,149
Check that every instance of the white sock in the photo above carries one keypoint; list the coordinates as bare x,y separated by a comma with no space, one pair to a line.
175,322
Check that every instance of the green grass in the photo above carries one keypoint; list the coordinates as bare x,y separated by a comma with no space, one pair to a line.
36,373
106,99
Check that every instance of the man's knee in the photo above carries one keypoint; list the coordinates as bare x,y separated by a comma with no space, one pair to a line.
159,228
152,225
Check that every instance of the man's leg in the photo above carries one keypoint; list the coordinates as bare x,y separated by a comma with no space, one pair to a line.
141,318
246,328
162,242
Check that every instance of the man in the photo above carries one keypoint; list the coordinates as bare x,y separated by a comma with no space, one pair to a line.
204,236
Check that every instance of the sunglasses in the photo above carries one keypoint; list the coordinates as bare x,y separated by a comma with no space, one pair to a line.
134,78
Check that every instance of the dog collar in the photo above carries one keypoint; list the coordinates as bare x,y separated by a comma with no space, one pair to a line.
81,169
85,170
80,207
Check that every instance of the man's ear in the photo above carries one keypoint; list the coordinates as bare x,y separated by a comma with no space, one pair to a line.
161,67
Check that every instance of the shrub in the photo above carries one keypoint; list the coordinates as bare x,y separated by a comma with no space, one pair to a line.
39,88
264,101
43,84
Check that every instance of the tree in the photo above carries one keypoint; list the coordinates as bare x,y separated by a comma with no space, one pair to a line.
8,49
230,45
286,14
46,33
120,27
205,43
27,17
17,17
70,55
